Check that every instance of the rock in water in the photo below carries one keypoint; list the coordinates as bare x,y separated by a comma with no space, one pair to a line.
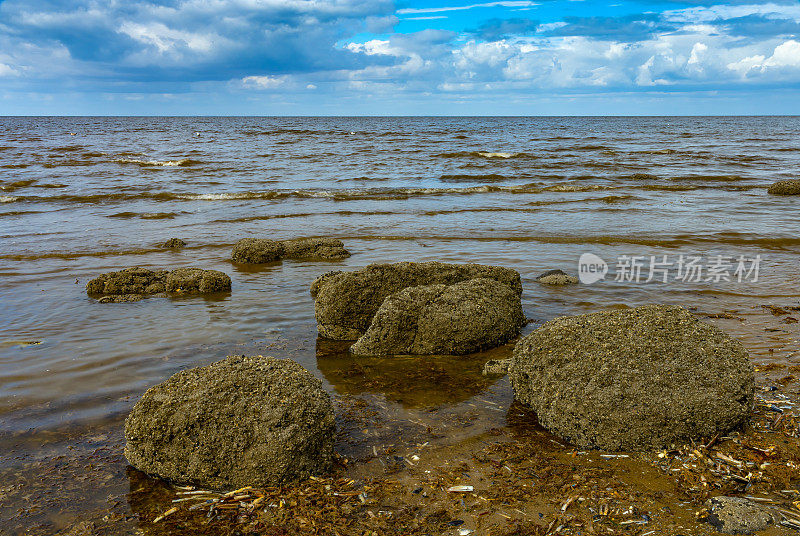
314,248
135,283
128,281
257,251
556,277
467,317
174,243
787,187
734,515
263,250
345,302
197,280
242,421
639,379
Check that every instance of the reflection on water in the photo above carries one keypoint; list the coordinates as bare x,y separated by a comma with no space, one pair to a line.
412,381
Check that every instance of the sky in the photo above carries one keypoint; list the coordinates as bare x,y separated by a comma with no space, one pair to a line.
403,57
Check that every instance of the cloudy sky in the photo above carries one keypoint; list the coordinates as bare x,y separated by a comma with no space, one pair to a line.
403,57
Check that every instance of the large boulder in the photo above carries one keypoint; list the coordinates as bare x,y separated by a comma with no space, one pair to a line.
787,187
470,316
346,302
264,250
638,379
242,421
135,283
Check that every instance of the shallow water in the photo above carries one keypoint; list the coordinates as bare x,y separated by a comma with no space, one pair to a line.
81,196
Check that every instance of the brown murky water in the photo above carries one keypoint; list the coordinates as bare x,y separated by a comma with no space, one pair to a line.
531,194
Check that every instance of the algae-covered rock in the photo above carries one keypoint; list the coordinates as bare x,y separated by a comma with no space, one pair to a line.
735,515
787,187
264,250
128,281
197,280
314,248
556,278
174,243
242,421
257,251
346,302
132,284
459,319
638,379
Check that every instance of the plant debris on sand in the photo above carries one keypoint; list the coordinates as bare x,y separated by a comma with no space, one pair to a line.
517,481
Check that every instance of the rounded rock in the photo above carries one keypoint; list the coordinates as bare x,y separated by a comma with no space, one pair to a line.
459,319
242,421
346,302
174,243
787,187
556,278
639,379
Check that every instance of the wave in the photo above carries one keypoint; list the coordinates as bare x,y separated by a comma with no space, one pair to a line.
733,239
145,215
11,186
8,198
183,162
490,177
14,166
484,154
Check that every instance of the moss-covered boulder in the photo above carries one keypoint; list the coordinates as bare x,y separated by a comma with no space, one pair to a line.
314,248
346,302
257,251
133,280
464,318
136,283
787,187
638,379
264,250
242,421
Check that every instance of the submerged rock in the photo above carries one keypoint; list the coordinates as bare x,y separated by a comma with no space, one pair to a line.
264,250
242,421
459,319
174,243
133,284
735,515
556,277
121,298
496,366
787,187
638,379
346,302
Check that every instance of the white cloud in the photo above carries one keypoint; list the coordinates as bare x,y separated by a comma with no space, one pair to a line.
508,3
265,82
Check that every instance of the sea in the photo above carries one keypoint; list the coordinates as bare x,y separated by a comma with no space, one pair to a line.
665,209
